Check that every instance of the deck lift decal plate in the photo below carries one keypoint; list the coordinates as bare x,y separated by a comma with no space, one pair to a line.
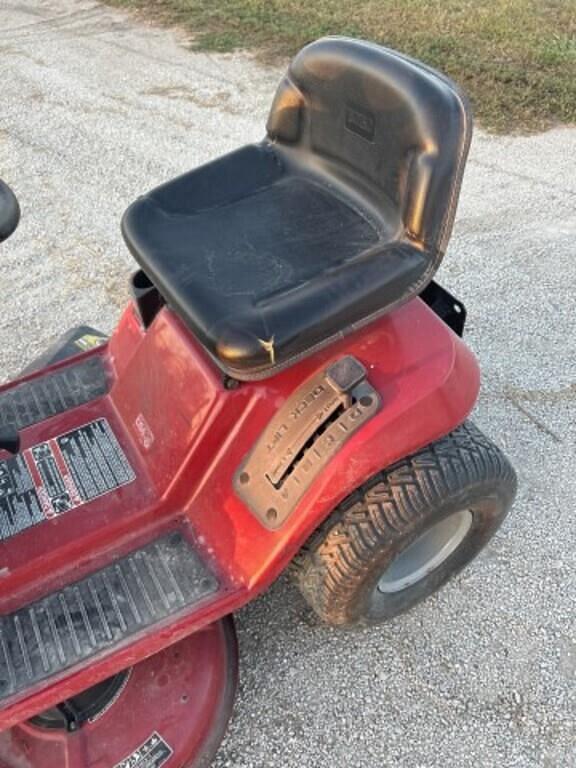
58,475
309,429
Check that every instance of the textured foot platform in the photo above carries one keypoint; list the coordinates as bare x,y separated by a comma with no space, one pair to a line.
99,612
49,395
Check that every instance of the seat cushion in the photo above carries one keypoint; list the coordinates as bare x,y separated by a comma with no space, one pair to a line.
264,262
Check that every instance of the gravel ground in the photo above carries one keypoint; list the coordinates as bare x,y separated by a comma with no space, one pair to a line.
96,108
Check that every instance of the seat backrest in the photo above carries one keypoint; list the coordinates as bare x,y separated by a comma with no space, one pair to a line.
388,122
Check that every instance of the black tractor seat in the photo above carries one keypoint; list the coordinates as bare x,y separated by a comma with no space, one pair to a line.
341,213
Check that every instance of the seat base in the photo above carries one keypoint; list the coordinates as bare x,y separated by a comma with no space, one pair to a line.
264,260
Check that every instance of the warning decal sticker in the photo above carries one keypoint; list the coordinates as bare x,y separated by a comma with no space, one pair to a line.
152,754
95,459
19,504
51,478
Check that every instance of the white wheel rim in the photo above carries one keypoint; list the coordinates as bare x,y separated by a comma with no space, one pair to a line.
427,553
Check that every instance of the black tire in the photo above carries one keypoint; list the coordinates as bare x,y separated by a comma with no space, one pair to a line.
462,479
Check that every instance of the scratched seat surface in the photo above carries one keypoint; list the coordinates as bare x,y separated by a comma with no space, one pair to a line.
342,212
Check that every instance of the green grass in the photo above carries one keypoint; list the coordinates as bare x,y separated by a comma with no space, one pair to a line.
515,58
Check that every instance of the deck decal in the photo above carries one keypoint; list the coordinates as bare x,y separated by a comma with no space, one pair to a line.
154,753
58,475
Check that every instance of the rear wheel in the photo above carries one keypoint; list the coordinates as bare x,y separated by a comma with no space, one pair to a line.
404,533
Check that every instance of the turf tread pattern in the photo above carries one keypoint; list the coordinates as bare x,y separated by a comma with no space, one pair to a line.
337,556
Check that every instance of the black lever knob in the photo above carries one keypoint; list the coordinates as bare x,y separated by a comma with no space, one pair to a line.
9,440
9,211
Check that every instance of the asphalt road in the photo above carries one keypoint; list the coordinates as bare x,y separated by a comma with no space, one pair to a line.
95,109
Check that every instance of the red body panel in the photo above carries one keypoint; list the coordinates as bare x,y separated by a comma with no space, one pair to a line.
185,435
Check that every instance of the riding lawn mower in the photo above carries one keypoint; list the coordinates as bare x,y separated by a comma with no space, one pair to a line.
287,389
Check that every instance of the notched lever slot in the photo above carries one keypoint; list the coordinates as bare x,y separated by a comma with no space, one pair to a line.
297,457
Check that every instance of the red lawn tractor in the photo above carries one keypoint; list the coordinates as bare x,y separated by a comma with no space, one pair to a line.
288,389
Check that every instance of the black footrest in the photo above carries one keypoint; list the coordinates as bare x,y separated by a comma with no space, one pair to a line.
99,612
49,395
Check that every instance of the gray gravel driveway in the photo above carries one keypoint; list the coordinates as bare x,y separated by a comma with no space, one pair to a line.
97,108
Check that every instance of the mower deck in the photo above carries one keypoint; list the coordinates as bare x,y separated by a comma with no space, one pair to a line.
168,711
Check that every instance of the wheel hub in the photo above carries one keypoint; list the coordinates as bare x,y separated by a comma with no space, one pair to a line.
428,552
